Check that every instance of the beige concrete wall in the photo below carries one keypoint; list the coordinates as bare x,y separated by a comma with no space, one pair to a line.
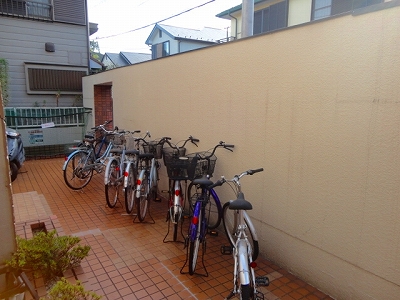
318,107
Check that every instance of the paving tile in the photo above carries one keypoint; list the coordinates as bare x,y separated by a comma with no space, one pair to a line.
129,259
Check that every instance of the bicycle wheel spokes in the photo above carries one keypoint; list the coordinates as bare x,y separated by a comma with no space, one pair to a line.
130,190
143,200
112,188
78,172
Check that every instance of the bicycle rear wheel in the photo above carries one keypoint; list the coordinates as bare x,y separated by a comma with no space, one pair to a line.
230,221
213,208
77,172
143,202
195,239
114,185
130,190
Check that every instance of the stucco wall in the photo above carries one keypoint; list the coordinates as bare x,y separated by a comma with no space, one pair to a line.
318,107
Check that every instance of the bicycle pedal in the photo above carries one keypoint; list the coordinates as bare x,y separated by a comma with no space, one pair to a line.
226,250
213,232
262,281
259,296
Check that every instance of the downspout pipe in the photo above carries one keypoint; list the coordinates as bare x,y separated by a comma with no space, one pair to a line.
236,23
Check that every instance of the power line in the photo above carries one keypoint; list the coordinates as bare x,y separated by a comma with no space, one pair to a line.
139,28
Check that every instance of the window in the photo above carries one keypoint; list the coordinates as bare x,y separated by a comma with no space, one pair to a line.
326,8
38,8
270,18
322,9
160,50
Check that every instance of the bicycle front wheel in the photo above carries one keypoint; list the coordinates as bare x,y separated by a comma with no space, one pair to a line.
130,190
213,208
230,221
142,201
77,171
114,185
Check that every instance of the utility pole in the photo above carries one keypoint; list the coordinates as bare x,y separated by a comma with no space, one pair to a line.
247,17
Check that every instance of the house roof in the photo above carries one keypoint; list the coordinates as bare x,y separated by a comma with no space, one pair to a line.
126,58
207,34
134,58
116,59
225,13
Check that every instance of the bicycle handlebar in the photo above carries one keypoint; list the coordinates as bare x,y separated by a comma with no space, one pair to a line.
235,178
220,144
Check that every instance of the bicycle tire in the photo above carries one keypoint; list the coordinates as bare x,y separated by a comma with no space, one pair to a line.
143,202
229,221
194,244
76,173
175,234
130,190
245,292
113,186
213,210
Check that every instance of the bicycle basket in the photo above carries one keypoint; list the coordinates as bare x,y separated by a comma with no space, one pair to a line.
153,147
204,166
169,151
179,167
117,139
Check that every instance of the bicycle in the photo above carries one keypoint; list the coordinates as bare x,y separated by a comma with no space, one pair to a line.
199,221
147,179
116,168
177,165
79,165
239,229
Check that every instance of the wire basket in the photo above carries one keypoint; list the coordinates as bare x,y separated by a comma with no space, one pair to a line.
153,147
130,143
118,139
203,166
169,151
180,167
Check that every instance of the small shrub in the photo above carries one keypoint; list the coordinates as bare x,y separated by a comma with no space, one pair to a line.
64,290
48,255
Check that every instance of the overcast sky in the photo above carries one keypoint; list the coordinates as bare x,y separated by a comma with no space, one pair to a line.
116,17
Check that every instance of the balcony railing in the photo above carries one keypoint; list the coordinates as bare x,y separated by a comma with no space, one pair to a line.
27,9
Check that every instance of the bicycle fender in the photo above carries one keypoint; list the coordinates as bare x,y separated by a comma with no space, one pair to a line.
177,199
139,186
126,174
69,157
250,225
108,165
243,263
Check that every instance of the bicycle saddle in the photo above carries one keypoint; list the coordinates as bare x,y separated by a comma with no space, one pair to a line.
240,203
204,181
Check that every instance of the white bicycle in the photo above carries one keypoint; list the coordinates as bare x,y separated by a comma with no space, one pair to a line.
118,164
147,179
244,242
